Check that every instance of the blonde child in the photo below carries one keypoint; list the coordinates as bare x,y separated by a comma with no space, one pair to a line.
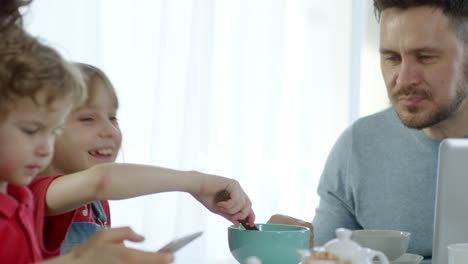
85,152
37,91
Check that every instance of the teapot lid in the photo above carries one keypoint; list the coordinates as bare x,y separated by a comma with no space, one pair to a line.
342,246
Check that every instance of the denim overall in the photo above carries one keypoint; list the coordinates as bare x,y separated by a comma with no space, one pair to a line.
80,231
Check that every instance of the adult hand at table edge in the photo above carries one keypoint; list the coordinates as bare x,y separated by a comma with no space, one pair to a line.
289,220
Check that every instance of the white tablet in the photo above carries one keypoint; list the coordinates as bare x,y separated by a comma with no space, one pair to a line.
179,243
451,206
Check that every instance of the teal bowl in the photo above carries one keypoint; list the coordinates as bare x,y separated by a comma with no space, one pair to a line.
273,244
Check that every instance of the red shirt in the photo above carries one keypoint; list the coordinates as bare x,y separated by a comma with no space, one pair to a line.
85,214
50,230
19,243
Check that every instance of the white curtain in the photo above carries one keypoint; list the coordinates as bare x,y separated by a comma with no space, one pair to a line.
256,90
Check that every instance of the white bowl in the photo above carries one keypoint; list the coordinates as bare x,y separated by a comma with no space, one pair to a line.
392,243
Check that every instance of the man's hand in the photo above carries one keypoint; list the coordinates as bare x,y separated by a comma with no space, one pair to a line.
288,220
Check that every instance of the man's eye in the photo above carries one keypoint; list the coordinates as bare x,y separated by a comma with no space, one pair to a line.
114,119
426,58
392,58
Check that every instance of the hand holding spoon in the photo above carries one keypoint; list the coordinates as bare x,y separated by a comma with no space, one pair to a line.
222,196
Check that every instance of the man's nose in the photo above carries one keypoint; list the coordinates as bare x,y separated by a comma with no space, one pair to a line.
409,74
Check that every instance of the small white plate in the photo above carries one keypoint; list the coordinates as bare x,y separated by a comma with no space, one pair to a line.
405,259
408,259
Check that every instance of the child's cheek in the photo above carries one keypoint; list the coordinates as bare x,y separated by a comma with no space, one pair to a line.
8,167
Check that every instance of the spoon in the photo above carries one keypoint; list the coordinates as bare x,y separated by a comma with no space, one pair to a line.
222,196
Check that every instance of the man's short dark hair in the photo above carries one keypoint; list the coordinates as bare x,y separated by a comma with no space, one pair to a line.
455,10
451,8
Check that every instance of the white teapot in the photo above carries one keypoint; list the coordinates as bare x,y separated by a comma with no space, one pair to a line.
347,250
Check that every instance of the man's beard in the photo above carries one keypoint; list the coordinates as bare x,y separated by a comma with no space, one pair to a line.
439,114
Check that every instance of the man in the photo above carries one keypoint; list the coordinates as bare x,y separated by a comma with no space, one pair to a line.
381,173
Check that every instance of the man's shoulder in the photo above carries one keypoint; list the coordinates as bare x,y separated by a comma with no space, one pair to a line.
385,118
378,126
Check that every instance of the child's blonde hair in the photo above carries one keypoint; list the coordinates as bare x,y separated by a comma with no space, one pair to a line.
92,75
28,67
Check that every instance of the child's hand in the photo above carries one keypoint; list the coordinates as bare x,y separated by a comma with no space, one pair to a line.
238,206
107,246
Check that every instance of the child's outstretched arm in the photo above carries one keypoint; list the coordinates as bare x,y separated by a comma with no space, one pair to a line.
113,181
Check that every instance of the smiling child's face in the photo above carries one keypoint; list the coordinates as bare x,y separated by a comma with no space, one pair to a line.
91,135
27,135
